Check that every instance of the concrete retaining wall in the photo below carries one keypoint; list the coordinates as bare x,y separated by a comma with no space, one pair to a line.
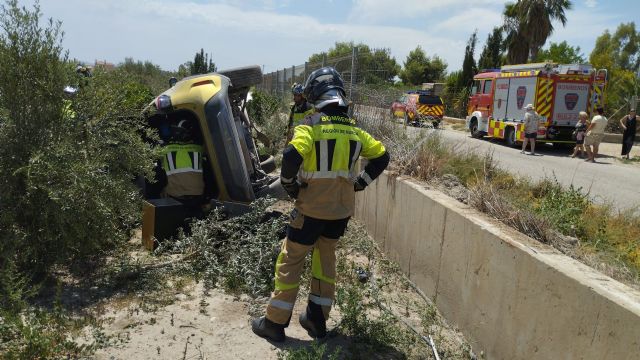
513,297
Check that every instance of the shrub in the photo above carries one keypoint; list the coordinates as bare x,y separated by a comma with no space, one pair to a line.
315,352
237,254
68,164
270,115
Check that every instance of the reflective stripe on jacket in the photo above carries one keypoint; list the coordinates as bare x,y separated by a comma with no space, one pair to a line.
183,165
330,147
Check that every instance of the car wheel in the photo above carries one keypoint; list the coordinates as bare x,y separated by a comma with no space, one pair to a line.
510,136
244,76
473,128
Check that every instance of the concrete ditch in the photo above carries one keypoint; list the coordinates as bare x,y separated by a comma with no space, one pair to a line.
512,297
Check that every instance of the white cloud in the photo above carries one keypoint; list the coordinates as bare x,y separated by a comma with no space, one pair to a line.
225,19
591,3
584,25
376,10
475,18
169,32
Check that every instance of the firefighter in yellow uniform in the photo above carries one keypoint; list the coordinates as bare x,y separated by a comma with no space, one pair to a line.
299,109
182,163
319,171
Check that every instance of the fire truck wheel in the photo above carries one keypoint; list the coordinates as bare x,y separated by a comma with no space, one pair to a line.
510,136
473,128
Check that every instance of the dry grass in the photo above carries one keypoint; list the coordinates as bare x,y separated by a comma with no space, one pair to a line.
563,217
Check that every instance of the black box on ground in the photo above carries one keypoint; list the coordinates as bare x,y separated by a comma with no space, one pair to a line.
161,219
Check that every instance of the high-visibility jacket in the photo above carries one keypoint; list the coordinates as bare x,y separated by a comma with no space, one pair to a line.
299,112
330,145
183,165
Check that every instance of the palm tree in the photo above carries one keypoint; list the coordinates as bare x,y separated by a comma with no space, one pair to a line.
516,44
528,24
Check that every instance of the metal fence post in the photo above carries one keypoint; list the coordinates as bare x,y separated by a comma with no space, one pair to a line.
354,53
276,88
293,74
324,59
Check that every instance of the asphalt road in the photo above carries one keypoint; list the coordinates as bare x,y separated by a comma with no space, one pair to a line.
606,181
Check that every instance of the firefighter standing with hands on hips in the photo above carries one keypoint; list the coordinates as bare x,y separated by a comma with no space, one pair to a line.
299,109
318,170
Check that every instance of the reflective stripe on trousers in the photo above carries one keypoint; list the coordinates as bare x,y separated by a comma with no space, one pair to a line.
289,267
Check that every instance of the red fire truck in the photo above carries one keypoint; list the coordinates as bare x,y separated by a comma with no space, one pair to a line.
558,93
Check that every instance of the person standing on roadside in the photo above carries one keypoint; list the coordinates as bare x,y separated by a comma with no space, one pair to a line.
531,119
581,129
595,133
628,124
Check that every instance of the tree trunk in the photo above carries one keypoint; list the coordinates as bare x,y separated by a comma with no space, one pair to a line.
534,53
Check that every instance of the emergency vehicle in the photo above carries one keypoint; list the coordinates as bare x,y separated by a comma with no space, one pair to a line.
419,107
558,93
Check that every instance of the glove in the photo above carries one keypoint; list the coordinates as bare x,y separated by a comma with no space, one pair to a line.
291,187
359,184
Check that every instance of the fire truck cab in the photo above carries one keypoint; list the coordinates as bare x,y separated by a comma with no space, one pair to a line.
558,93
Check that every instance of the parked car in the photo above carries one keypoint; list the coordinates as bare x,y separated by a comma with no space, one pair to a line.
419,108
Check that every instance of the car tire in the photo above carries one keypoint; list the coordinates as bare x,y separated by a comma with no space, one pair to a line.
473,129
510,136
244,77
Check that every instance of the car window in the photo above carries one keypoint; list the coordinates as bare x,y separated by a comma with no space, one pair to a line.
487,86
476,87
430,100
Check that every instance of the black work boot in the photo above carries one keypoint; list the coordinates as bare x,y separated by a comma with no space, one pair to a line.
267,329
315,329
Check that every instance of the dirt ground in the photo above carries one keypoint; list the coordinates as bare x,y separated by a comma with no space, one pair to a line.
197,325
185,321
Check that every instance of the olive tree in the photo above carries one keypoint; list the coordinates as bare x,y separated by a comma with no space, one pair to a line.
68,163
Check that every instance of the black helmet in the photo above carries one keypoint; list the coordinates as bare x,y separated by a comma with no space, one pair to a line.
321,81
183,130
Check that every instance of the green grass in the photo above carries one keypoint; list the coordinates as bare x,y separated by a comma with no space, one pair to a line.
633,160
315,352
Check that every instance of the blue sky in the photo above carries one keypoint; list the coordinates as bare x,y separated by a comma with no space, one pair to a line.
279,34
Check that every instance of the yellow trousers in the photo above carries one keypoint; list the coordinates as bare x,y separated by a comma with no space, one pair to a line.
289,267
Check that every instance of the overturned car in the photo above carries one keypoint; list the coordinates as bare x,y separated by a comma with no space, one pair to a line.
210,158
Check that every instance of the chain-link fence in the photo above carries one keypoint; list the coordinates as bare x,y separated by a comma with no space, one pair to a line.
368,77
